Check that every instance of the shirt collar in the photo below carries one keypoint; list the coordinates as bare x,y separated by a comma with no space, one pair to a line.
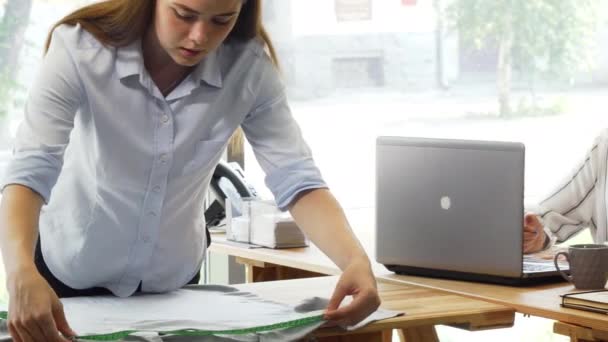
209,69
130,62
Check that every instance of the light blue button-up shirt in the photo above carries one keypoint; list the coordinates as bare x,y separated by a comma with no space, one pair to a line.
124,170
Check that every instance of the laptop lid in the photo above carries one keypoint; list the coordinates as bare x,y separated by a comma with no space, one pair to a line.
450,205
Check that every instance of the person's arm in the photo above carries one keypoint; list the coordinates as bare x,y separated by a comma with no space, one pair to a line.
35,312
297,185
32,300
19,213
570,207
322,219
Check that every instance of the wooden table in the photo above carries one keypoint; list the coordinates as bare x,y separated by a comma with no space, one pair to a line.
542,301
423,309
263,264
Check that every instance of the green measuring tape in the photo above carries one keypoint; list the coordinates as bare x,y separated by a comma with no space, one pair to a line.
195,332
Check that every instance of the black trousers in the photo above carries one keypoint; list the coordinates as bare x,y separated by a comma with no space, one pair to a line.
64,291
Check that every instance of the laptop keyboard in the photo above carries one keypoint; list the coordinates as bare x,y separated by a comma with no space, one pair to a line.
534,263
538,267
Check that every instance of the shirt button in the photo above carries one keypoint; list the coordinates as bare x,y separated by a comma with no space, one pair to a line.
156,189
163,158
165,118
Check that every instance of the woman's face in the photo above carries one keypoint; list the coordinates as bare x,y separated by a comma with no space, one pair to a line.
189,29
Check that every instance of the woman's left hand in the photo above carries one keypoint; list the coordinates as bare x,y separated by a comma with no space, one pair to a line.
356,280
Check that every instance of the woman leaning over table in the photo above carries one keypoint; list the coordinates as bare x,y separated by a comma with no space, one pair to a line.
577,203
135,101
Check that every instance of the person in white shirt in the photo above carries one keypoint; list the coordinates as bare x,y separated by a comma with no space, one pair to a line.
579,202
134,104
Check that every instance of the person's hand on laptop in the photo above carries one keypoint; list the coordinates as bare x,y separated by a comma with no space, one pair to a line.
534,234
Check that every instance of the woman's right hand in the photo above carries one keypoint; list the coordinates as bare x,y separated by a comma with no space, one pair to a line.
35,312
534,234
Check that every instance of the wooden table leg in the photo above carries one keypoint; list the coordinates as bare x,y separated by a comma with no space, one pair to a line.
579,333
415,334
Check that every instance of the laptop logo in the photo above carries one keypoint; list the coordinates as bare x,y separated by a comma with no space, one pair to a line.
446,203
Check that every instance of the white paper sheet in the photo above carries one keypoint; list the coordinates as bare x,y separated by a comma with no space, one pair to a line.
203,307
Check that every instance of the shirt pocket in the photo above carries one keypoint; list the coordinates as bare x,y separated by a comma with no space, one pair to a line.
207,152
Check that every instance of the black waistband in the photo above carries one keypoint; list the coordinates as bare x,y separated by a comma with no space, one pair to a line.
64,291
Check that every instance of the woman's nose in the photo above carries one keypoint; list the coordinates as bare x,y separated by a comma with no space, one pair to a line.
199,33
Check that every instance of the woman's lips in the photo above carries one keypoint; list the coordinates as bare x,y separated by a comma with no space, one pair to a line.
190,53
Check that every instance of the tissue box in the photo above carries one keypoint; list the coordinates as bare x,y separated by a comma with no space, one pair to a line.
262,223
272,228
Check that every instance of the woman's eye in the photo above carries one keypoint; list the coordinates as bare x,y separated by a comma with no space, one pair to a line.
183,16
221,22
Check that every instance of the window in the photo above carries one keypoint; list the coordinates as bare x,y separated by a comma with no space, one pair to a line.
413,71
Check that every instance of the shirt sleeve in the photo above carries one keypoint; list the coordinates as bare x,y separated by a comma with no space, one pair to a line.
48,119
277,141
572,206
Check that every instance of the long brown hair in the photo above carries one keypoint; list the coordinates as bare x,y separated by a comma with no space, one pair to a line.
120,22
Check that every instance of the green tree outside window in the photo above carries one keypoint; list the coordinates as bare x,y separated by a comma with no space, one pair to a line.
550,39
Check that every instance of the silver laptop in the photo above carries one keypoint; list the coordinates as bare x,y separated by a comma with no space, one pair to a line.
454,209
